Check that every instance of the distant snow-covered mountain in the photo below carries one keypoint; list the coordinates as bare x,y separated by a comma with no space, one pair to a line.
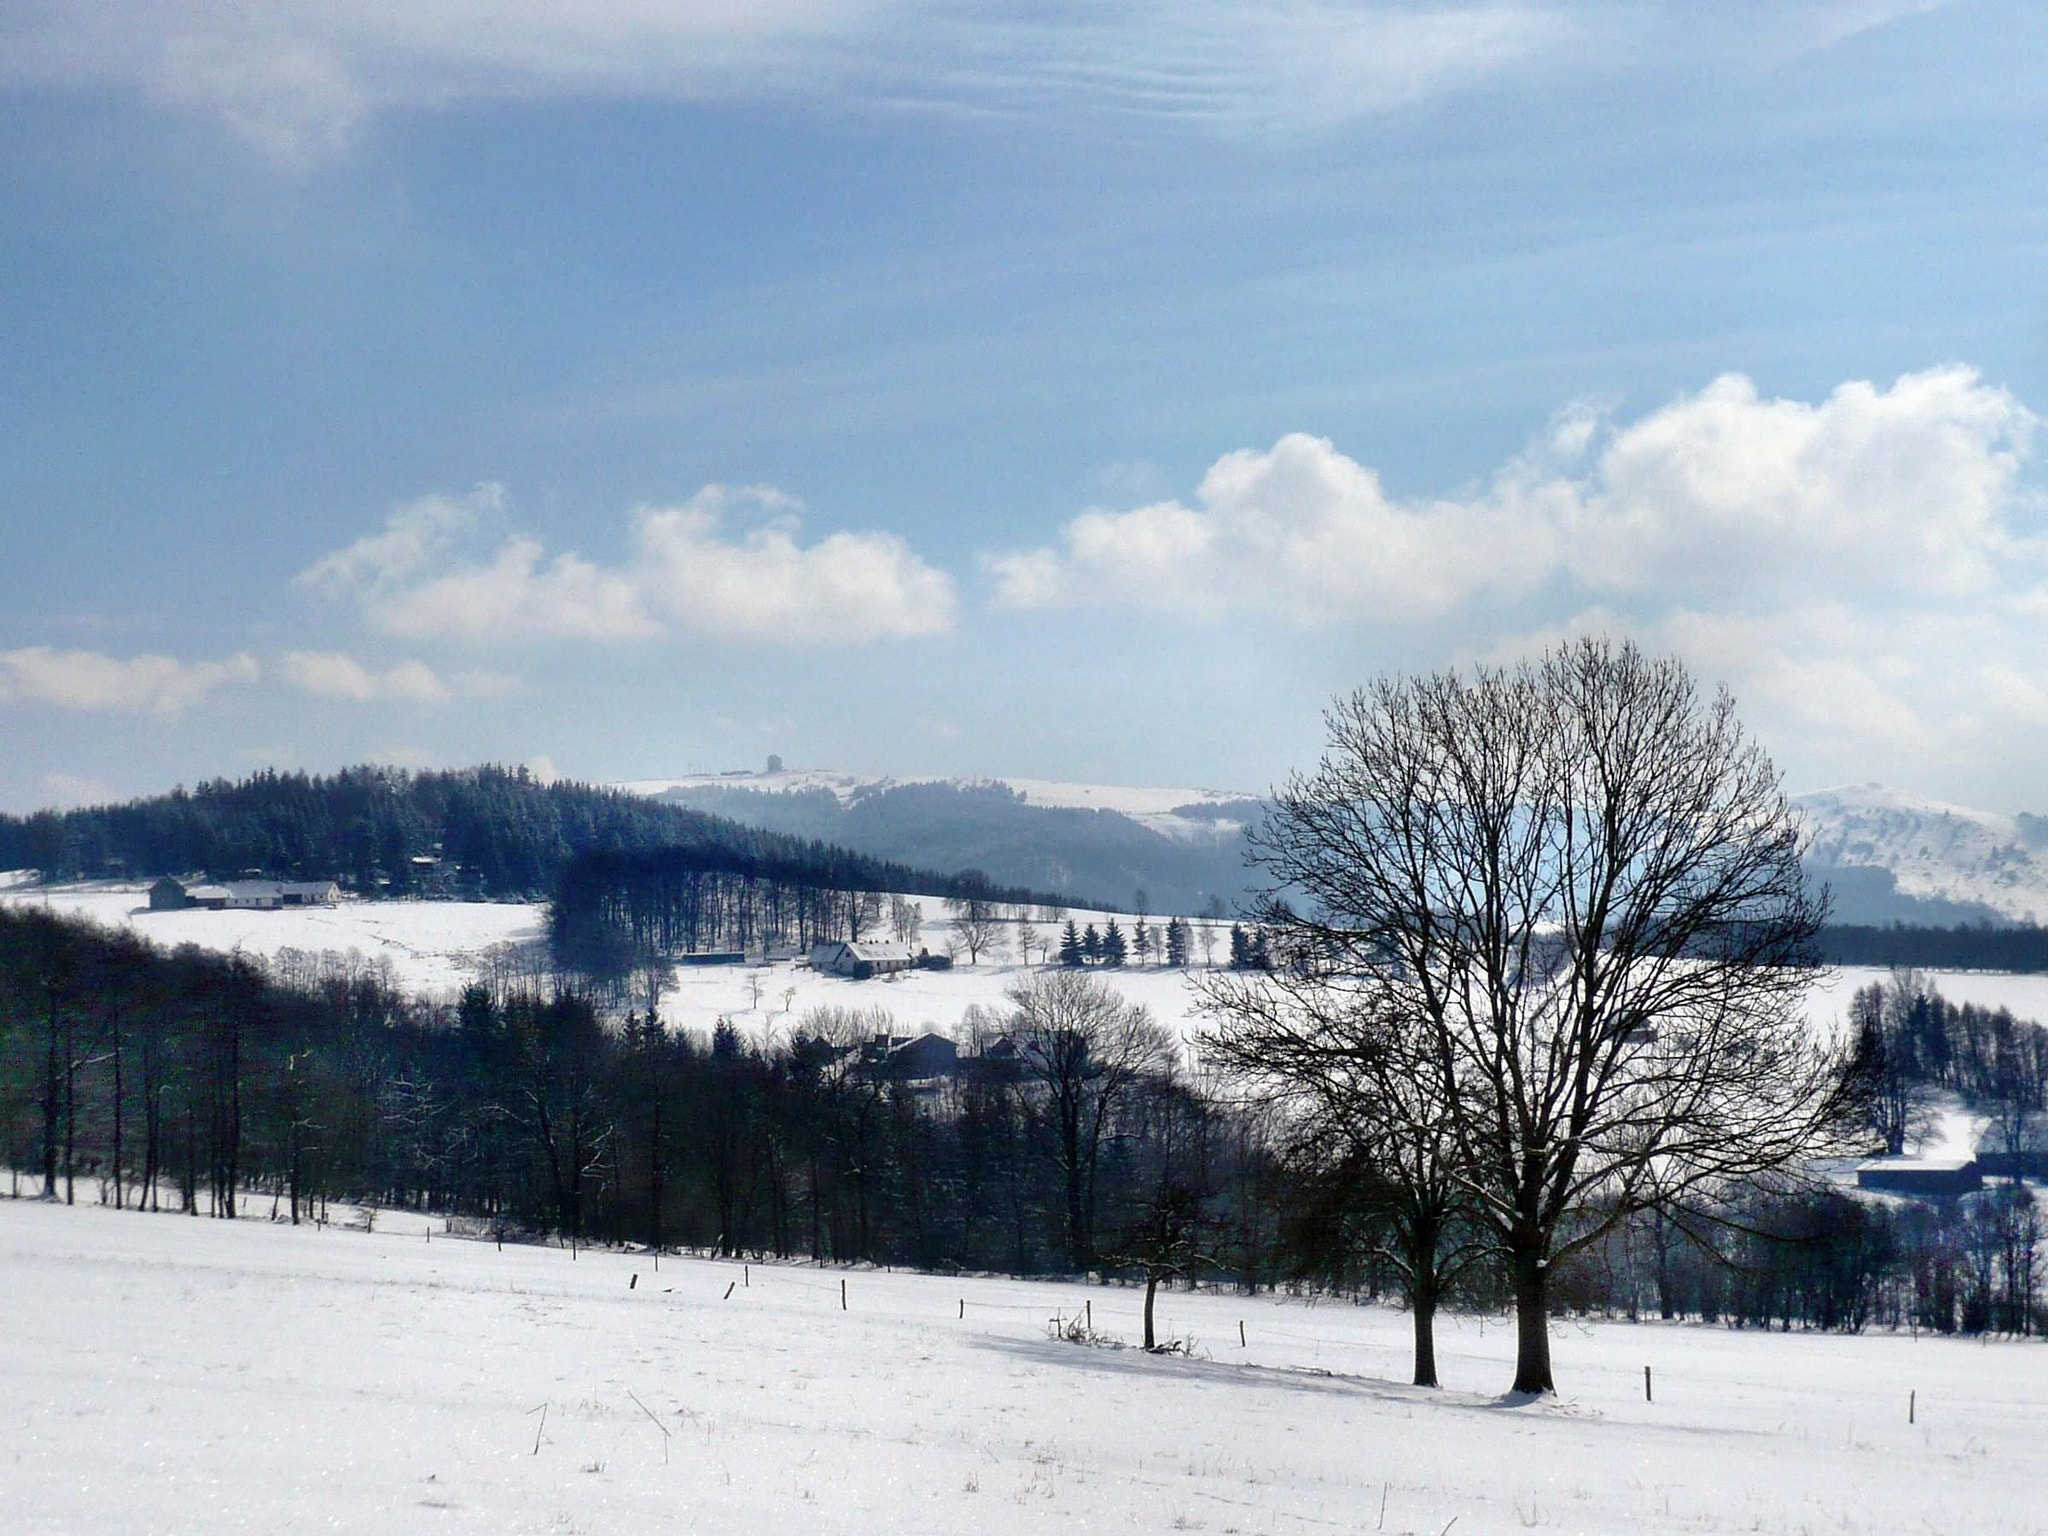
1182,849
1887,856
1190,815
1890,855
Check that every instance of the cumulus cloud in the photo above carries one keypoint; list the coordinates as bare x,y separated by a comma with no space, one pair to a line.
336,675
1720,496
729,563
519,593
88,680
415,535
763,584
1910,487
1931,692
301,79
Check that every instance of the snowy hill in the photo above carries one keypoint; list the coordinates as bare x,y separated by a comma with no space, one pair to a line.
1887,855
1194,815
1892,855
1183,847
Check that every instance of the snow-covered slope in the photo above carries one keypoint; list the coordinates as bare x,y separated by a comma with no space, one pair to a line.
164,1374
1932,850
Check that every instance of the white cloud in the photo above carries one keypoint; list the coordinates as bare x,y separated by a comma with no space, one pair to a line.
87,680
1932,692
335,675
848,588
415,536
1299,529
1908,488
1719,496
520,593
689,569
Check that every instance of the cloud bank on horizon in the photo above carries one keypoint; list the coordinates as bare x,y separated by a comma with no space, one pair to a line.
1868,565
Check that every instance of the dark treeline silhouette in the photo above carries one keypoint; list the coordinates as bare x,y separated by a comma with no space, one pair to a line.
198,1082
479,832
1811,1258
1067,1138
1969,947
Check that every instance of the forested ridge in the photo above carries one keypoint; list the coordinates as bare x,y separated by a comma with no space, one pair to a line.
483,832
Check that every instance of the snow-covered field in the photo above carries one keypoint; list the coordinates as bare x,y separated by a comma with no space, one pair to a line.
159,1373
434,947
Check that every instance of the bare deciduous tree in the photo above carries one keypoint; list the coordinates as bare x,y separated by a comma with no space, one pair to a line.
977,919
1371,1121
1574,887
1086,1050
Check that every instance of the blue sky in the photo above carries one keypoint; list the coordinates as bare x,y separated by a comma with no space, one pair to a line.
909,386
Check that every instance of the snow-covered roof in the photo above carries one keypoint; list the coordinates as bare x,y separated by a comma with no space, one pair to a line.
880,949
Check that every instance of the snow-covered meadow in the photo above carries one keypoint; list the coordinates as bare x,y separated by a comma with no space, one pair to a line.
160,1373
434,948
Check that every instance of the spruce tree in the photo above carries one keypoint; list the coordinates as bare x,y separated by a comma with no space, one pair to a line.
1114,947
1091,944
1070,947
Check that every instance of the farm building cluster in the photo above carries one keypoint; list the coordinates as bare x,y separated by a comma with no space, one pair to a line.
174,895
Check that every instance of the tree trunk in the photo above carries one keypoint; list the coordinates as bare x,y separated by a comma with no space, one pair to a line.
1422,1308
1667,1301
1077,1220
70,1115
1532,1323
52,1093
118,1085
1151,1290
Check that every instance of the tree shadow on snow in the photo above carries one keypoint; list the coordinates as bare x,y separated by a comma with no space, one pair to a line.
1114,1360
